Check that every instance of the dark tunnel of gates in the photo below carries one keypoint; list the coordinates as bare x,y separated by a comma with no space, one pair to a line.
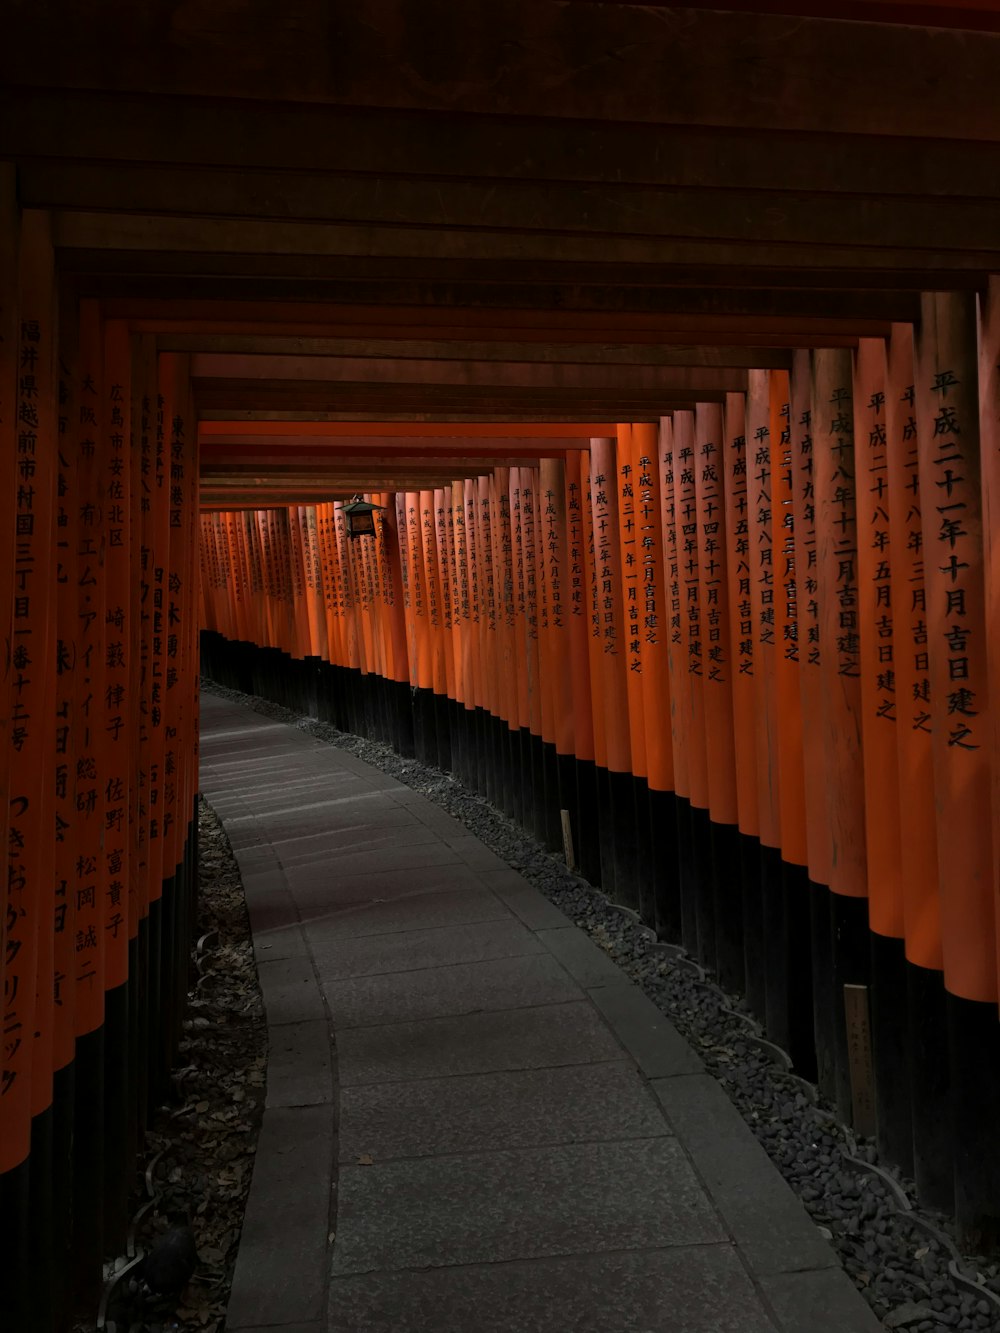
748,651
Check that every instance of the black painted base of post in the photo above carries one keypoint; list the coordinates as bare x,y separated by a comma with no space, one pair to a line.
687,870
621,788
40,1224
777,944
645,865
606,832
851,966
587,834
930,1088
754,961
891,1051
727,881
663,819
705,890
801,1031
15,1246
974,1046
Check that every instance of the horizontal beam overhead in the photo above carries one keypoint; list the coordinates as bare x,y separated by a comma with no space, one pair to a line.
631,63
354,372
206,132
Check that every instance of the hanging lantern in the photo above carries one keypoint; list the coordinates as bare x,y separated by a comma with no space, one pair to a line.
360,517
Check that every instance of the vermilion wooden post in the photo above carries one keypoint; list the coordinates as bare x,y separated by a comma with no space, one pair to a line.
947,405
737,520
671,439
26,1061
655,664
701,896
840,667
508,743
880,702
631,575
989,424
605,849
552,493
521,749
587,840
549,831
723,851
679,686
612,669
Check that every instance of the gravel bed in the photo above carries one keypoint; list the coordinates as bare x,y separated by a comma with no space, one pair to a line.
903,1258
198,1153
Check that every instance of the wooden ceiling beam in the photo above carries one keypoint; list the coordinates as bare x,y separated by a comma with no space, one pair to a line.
682,65
787,216
209,132
353,374
550,354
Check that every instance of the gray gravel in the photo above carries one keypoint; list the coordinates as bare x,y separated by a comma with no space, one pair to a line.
902,1257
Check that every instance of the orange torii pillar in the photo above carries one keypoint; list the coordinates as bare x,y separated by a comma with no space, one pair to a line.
954,471
578,601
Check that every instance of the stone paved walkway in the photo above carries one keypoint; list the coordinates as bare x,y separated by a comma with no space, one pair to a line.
474,1120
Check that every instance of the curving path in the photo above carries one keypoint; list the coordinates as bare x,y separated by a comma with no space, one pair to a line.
474,1120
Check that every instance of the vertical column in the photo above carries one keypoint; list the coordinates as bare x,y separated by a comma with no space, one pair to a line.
724,849
789,951
840,673
947,411
613,693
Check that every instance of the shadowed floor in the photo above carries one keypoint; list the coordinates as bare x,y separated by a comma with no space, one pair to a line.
474,1120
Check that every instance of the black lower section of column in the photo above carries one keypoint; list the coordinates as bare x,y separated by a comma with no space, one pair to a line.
588,828
666,879
727,883
621,789
891,1051
753,928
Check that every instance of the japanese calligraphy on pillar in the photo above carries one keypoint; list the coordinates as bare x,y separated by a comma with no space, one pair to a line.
947,412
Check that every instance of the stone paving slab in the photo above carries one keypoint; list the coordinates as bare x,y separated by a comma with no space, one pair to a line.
420,910
299,1065
282,1265
546,1037
546,1151
494,1207
742,1179
411,950
516,1108
462,988
707,1291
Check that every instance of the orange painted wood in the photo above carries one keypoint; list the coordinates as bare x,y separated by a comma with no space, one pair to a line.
879,700
106,912
989,422
838,594
630,566
819,852
760,502
577,600
120,639
552,493
691,660
709,467
653,625
788,694
680,688
947,414
68,705
28,1021
612,670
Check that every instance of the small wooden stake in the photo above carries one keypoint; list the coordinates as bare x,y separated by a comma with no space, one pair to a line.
859,1053
567,832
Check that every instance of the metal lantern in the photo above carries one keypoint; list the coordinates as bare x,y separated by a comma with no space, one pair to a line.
360,517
